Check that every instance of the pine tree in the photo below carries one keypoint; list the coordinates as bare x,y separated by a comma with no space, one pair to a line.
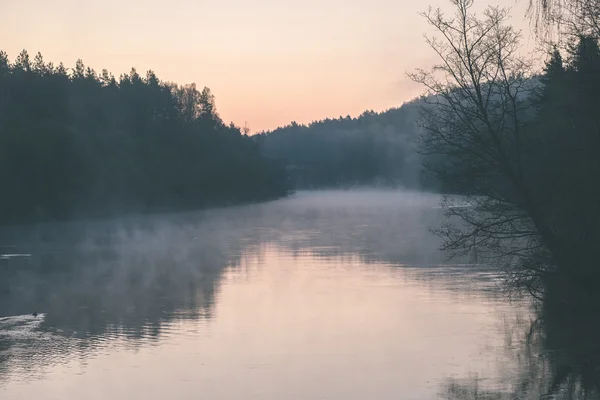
23,62
79,70
584,71
39,67
61,70
4,64
207,104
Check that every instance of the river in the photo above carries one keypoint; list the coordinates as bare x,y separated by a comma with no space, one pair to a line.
323,295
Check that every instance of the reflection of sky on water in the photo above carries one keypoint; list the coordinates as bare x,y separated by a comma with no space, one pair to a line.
328,294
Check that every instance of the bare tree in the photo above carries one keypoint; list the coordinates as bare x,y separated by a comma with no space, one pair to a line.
474,120
565,18
245,129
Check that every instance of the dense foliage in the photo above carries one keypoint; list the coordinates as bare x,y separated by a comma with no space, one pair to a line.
78,143
372,149
565,168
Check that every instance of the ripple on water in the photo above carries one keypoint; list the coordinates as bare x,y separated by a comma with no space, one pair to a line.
27,347
13,256
20,326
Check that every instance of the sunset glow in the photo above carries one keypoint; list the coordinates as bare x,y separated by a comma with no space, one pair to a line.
268,62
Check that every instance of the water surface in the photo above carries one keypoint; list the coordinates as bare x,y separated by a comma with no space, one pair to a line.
325,295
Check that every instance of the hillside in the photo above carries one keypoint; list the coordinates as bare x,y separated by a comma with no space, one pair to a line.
372,149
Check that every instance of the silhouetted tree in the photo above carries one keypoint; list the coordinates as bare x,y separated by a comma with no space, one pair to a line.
520,150
473,120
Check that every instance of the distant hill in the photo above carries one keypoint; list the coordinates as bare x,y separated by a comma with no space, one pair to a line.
372,149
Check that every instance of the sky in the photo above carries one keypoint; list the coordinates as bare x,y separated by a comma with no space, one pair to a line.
268,62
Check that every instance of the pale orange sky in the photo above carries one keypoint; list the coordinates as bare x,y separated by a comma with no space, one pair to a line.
268,62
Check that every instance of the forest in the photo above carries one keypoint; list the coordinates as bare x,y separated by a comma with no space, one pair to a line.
373,149
77,143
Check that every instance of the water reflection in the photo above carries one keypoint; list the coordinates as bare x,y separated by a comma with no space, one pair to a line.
553,355
93,282
336,294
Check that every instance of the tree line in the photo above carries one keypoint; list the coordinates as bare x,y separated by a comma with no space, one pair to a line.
81,143
371,149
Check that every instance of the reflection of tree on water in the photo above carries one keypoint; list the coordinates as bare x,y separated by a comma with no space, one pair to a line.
573,339
100,282
96,281
375,226
91,294
557,357
103,283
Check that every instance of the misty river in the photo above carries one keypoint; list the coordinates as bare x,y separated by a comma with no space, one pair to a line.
323,295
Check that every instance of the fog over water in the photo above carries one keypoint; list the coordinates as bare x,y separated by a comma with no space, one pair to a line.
323,295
